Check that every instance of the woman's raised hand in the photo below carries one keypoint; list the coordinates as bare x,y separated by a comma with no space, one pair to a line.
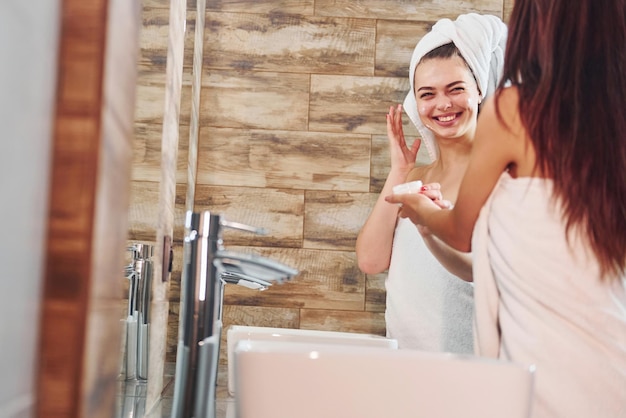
402,157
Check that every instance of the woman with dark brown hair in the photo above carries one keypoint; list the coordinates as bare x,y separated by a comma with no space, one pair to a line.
542,207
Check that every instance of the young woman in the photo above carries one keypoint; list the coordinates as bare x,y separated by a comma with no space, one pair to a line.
429,306
542,206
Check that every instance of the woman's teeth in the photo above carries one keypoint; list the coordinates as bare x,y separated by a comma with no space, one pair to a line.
446,118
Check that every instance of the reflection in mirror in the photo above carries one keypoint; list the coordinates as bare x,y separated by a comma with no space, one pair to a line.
139,273
281,126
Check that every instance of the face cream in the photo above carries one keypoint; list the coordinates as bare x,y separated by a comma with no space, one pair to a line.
410,187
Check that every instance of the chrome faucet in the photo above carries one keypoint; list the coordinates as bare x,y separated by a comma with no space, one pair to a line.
139,274
207,268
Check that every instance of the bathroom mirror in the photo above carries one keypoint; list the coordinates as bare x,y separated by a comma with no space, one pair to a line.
289,118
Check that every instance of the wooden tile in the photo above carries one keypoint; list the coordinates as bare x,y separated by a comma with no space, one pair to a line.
283,159
151,99
381,160
260,317
171,341
353,104
395,42
375,292
156,4
190,40
327,280
182,162
143,212
151,102
343,321
279,211
146,165
403,10
180,211
186,104
301,7
291,43
175,278
153,40
254,100
507,9
333,219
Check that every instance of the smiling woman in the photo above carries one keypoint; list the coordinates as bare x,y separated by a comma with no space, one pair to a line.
429,300
447,95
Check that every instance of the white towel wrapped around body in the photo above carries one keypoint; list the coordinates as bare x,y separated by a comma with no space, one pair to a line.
428,308
539,300
481,39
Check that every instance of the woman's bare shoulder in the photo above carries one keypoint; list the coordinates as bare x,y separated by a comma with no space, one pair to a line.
503,105
501,113
501,131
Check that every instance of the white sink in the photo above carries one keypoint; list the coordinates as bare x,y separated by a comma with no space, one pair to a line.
237,333
296,380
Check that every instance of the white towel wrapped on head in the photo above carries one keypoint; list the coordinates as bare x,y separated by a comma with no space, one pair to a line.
481,39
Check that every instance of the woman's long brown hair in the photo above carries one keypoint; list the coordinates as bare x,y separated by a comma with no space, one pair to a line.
568,62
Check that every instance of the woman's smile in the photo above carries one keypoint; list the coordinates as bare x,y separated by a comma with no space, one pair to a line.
447,118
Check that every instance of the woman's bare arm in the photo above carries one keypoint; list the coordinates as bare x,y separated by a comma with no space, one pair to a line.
374,242
456,262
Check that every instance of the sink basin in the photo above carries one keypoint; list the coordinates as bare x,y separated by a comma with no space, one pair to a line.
296,380
237,333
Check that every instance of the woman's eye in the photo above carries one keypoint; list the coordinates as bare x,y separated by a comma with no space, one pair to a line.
426,95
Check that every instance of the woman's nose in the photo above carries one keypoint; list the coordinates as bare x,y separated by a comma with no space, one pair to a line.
444,103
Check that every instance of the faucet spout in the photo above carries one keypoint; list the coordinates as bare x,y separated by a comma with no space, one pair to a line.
244,280
255,266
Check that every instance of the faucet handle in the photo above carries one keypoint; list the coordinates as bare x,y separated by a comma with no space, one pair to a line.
243,227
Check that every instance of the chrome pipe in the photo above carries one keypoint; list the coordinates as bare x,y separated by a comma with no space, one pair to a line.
139,273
